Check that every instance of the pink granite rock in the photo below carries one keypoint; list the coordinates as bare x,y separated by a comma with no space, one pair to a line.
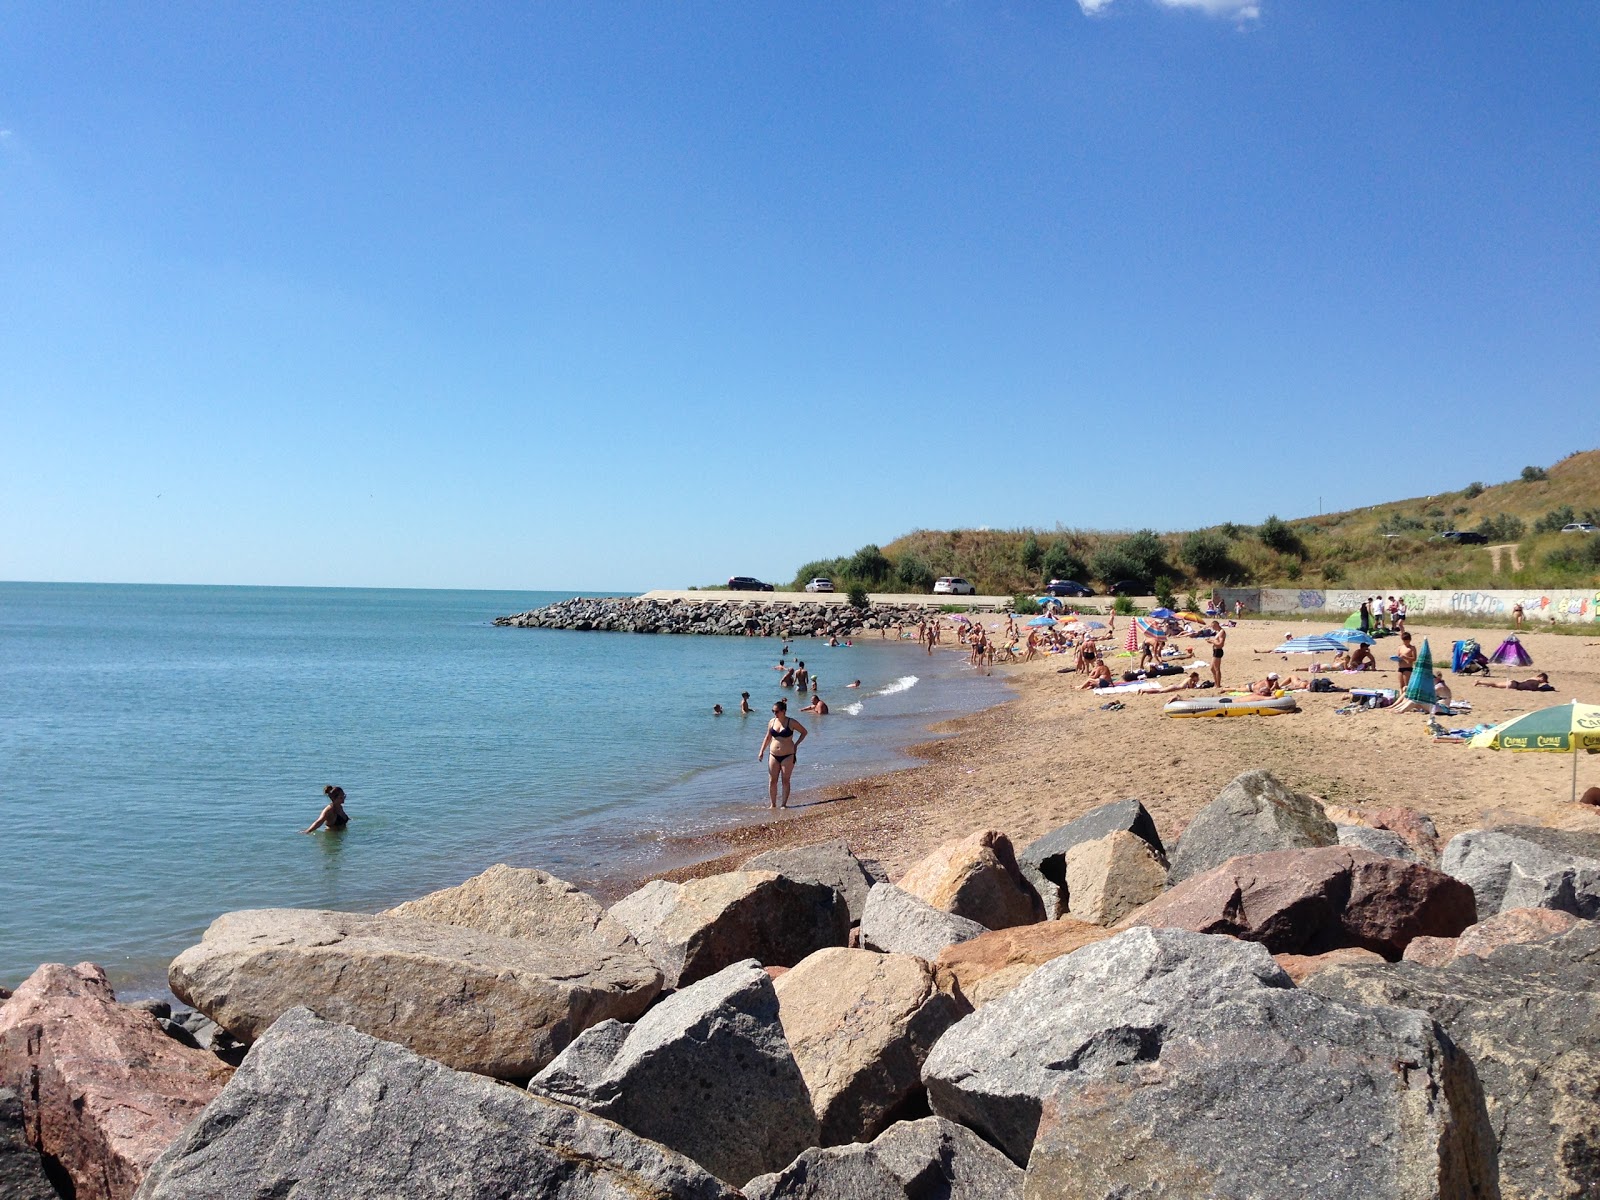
104,1090
976,877
1301,967
1514,927
1315,900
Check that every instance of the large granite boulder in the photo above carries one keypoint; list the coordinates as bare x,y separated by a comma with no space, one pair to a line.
1311,901
1510,927
831,863
521,902
695,929
1224,1075
896,922
1301,967
1111,876
103,1090
1528,866
474,1001
1043,862
1253,814
860,1025
1529,1017
22,1173
707,1072
1415,826
988,966
1380,841
319,1109
930,1159
976,877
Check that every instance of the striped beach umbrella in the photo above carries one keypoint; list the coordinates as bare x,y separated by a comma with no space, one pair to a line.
1420,687
1560,729
1132,644
1313,644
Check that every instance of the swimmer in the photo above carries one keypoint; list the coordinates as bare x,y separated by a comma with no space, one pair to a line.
744,704
856,684
716,710
333,817
818,705
784,737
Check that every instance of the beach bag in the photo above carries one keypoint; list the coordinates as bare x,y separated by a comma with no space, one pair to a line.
1321,685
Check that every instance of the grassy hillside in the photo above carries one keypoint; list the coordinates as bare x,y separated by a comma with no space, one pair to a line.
1384,546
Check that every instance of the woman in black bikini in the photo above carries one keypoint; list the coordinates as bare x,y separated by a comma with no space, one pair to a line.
783,737
333,816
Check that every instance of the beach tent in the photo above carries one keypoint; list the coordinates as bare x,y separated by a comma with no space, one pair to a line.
1510,653
1314,644
1353,621
1563,729
1420,687
1466,656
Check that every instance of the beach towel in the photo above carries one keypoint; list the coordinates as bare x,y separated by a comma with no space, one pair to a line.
1138,685
1510,653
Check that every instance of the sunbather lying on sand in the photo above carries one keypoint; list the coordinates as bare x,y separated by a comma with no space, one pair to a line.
1274,683
1541,683
1190,682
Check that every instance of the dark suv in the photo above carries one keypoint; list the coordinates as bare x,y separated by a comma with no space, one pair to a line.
1463,537
1067,587
744,583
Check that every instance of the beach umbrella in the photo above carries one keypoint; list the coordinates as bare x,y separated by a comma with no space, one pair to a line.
1561,729
1132,644
1352,637
1315,644
1042,621
1190,616
1155,631
1095,624
1420,687
1046,600
1164,614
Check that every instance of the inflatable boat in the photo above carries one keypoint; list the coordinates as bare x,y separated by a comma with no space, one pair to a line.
1231,706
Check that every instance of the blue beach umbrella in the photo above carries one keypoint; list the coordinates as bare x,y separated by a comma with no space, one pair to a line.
1042,621
1166,614
1315,644
1352,637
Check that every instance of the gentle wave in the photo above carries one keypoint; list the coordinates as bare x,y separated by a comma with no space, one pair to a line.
904,684
853,709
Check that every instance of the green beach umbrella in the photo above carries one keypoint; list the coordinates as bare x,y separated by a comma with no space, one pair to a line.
1562,729
1420,688
1353,621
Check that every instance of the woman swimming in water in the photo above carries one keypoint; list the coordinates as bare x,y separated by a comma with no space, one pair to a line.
333,816
784,737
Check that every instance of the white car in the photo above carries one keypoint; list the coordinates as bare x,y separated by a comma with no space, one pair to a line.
1579,527
820,584
953,585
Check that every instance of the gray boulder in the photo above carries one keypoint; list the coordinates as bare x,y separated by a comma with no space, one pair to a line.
896,922
694,929
471,1000
830,863
321,1110
1525,866
1169,1060
1253,814
914,1160
1380,841
707,1072
1044,860
22,1174
1529,1017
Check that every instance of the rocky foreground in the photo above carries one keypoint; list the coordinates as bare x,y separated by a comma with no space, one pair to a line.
1287,1001
728,618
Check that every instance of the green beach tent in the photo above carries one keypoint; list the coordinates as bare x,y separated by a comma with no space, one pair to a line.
1561,729
1420,688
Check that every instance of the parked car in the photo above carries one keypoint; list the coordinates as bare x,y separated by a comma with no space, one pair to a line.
820,584
953,585
1130,587
1462,537
744,583
1579,527
1067,587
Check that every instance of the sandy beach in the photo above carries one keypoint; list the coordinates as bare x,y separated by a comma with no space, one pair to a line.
1052,753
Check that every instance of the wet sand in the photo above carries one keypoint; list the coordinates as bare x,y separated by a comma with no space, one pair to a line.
1052,753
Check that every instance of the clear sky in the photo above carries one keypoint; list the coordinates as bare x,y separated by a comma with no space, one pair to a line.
625,295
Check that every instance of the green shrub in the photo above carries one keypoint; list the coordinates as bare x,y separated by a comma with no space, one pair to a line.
1209,555
1032,555
1023,602
1474,490
1281,536
1164,596
870,564
1579,558
1123,605
1140,556
1059,562
1534,474
1553,520
913,573
1291,570
858,596
1332,572
1502,527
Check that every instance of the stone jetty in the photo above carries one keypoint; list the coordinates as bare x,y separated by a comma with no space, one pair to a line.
726,618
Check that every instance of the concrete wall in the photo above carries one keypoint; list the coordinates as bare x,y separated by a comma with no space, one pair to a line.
1563,606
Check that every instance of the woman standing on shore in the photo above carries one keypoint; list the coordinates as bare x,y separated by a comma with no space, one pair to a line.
783,737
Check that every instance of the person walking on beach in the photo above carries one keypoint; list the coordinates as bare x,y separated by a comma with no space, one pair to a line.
333,817
1408,659
783,737
1218,641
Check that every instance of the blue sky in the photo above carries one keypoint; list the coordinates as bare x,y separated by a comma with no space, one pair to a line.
627,295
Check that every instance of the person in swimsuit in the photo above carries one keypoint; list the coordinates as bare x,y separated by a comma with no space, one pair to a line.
802,677
818,705
1408,659
1219,639
787,678
1539,684
744,704
783,737
333,817
716,710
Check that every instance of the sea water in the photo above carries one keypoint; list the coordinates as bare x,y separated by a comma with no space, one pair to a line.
162,747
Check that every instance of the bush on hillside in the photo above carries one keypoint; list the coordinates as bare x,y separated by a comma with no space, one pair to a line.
1332,572
1474,490
1553,520
1164,596
1059,562
1502,527
1281,536
1140,556
1209,555
1123,605
869,563
1032,555
913,573
1534,474
1582,557
830,568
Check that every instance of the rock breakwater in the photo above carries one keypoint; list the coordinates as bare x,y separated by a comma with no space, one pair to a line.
726,618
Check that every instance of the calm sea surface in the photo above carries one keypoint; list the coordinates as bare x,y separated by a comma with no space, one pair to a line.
160,748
